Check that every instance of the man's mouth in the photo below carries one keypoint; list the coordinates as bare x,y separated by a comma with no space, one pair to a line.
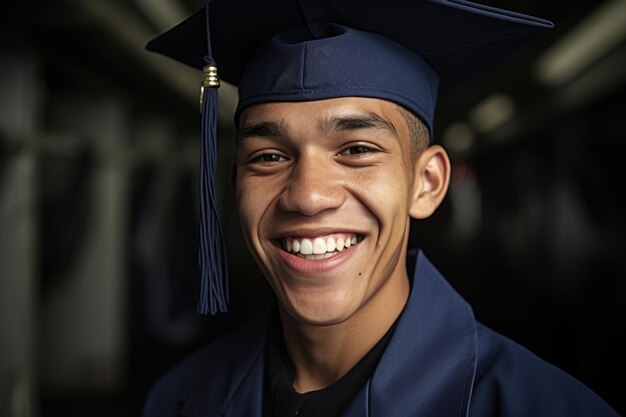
318,247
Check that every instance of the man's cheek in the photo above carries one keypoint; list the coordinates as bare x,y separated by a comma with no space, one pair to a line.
245,214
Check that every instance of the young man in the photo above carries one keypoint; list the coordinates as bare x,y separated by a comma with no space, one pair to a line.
333,159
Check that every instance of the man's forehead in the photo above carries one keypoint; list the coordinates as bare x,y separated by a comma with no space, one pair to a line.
319,110
326,116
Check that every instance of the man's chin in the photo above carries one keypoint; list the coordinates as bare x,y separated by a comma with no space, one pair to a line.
325,313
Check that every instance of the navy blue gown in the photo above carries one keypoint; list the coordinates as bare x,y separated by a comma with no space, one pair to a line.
439,362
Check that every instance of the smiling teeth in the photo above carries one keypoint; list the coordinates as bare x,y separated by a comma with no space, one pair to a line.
318,248
306,247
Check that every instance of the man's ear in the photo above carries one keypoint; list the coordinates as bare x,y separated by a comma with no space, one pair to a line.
432,176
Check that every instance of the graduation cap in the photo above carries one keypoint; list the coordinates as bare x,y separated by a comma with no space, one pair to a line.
404,51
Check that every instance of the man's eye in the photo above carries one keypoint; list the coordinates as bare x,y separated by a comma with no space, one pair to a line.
269,157
356,150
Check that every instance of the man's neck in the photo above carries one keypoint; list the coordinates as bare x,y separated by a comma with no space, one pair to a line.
323,354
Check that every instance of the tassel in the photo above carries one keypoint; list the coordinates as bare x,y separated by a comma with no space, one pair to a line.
214,295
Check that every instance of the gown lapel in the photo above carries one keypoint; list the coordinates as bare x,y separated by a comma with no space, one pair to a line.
429,366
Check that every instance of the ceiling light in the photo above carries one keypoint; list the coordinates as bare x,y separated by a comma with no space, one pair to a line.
589,41
492,112
458,137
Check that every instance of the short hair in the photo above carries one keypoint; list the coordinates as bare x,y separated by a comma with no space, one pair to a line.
418,132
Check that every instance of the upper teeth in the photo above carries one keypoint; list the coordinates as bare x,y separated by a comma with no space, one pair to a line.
319,245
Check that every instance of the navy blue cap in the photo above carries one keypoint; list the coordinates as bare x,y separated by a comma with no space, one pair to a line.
345,63
350,47
405,51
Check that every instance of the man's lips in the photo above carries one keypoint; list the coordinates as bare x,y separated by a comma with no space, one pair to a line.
318,247
315,265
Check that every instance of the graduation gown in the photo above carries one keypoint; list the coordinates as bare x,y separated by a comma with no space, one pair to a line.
439,362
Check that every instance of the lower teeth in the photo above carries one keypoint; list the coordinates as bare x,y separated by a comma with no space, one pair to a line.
315,256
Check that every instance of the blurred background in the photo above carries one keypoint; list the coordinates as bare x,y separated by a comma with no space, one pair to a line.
99,154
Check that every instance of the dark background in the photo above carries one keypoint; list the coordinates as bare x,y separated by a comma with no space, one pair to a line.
98,202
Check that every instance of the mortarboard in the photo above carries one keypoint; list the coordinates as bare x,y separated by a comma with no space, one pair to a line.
405,51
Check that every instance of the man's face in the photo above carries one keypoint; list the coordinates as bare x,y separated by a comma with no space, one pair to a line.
323,190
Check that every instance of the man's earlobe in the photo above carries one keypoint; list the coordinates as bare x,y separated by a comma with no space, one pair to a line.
432,177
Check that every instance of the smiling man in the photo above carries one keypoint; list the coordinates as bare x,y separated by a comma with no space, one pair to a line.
334,157
324,198
324,191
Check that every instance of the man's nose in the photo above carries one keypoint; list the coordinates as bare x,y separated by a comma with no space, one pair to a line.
314,186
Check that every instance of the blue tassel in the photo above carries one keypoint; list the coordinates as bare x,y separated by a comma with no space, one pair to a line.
214,295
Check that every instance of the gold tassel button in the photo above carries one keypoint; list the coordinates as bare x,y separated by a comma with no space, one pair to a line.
210,79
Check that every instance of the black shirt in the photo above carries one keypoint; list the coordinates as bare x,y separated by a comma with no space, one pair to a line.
280,398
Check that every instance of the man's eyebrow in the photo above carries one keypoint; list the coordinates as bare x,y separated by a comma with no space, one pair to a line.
263,129
356,121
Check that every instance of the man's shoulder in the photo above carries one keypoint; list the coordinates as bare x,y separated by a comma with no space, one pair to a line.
512,381
224,356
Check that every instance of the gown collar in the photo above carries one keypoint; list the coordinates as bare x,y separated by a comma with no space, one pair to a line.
429,365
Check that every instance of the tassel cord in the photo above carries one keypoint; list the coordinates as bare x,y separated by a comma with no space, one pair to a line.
213,261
